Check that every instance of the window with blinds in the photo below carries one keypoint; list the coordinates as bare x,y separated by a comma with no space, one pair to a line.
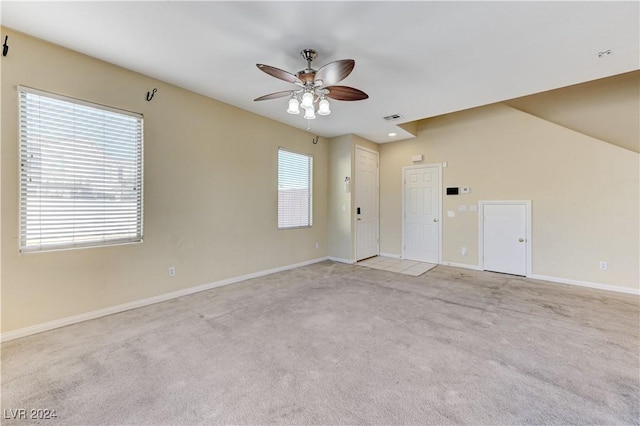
295,193
80,173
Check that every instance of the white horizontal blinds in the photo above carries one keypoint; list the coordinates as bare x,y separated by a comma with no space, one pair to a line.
295,173
80,173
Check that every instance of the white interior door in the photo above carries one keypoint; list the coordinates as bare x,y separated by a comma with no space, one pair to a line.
422,214
505,237
366,201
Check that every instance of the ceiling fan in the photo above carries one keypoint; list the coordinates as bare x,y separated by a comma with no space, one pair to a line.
314,86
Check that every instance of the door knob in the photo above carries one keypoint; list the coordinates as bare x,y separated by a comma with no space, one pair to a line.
521,239
435,220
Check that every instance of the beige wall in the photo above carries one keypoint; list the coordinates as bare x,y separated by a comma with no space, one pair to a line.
342,232
340,216
584,192
210,193
607,109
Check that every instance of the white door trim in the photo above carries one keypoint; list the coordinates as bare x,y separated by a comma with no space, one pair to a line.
364,148
353,201
481,204
424,166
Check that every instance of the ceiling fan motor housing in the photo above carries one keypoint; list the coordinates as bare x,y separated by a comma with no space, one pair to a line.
307,76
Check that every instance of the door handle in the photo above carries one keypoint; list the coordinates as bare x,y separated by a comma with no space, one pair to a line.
521,239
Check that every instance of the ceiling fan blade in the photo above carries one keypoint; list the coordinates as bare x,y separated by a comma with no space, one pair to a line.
278,73
335,71
344,93
274,95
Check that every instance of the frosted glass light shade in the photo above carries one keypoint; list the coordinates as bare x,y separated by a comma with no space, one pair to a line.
323,107
309,113
294,107
307,100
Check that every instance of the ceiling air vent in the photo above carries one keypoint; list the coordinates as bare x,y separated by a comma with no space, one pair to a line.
392,117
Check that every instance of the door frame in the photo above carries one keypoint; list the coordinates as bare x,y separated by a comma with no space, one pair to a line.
377,201
404,183
527,204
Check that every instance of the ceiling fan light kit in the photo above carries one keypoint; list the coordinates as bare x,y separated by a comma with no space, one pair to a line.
315,86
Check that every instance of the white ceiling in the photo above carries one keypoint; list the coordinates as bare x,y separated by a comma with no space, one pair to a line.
418,59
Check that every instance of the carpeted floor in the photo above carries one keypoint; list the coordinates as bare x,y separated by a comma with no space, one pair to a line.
342,344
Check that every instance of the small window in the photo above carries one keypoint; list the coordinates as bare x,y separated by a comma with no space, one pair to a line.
80,173
295,196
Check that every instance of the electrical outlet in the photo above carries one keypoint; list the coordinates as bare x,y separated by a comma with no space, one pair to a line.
172,271
317,245
603,265
464,251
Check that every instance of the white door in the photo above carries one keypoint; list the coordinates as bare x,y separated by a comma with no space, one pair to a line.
504,244
422,214
366,200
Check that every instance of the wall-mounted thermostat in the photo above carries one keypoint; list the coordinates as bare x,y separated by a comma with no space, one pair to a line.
452,191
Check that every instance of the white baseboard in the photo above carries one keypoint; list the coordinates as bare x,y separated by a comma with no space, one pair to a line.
618,289
559,280
394,256
39,328
462,265
341,260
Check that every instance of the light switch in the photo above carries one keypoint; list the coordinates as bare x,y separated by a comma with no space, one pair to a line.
451,213
462,208
473,207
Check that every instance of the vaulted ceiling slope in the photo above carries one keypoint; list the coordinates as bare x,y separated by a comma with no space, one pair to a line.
607,109
414,59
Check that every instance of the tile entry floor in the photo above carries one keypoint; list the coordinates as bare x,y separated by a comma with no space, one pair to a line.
408,267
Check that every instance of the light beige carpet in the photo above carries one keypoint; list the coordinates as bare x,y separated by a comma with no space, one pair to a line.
342,344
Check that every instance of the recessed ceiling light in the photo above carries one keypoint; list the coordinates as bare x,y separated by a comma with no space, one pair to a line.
393,134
